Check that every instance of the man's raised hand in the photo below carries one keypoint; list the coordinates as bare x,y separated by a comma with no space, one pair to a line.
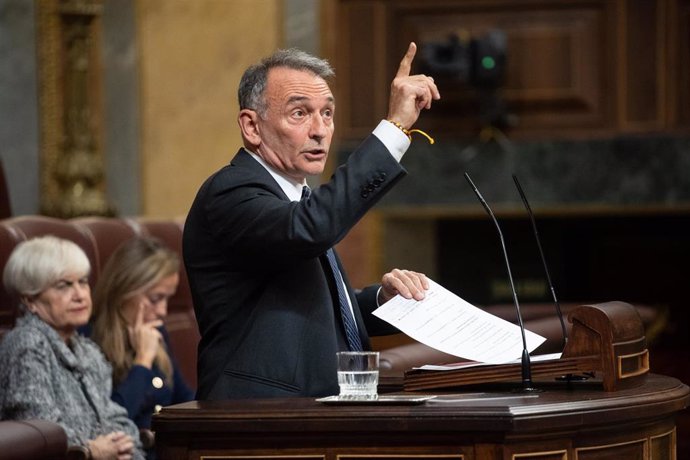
410,93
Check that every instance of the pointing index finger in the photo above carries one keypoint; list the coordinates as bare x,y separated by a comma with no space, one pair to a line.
406,63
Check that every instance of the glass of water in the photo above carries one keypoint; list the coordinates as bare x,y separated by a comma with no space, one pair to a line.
358,374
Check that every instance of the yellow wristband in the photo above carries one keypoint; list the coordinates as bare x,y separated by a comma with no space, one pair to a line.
408,132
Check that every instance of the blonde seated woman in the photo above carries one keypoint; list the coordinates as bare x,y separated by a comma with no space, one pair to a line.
47,370
130,303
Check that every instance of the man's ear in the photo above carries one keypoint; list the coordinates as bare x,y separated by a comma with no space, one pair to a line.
248,121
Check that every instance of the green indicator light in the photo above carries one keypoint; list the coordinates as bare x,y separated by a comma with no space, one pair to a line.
488,62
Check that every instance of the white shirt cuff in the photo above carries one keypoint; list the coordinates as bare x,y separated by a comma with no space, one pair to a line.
393,138
378,291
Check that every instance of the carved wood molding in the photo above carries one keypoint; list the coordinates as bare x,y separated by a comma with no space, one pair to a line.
72,170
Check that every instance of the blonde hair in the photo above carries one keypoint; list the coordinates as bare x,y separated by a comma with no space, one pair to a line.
135,266
36,264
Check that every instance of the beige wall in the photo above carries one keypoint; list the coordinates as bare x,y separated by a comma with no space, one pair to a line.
192,54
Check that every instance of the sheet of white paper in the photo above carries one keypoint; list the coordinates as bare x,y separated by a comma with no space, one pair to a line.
444,321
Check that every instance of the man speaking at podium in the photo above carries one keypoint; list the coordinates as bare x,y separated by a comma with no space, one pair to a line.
272,302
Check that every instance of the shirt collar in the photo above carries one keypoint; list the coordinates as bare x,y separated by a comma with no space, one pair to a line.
290,187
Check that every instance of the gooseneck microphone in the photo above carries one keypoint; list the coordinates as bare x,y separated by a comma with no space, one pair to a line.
526,364
543,259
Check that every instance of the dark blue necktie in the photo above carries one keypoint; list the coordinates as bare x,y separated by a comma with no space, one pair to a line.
353,340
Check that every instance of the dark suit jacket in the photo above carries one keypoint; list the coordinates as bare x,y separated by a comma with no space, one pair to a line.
264,300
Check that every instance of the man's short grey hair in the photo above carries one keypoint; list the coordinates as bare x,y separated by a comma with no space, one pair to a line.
253,83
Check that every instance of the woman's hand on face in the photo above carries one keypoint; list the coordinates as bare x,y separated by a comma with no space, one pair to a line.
112,446
145,337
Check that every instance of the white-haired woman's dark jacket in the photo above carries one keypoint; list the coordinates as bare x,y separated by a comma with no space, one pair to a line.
42,377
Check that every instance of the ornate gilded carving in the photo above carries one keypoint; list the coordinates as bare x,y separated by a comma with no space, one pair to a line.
72,176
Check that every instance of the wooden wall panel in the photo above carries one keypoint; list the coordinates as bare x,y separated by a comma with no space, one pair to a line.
643,57
554,64
679,18
360,72
579,68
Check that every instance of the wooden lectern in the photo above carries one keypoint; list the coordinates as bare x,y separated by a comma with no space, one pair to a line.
633,419
606,339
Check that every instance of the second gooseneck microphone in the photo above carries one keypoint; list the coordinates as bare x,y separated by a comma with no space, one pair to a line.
543,260
525,363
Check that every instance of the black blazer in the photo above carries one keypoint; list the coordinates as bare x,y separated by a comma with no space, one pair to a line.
265,304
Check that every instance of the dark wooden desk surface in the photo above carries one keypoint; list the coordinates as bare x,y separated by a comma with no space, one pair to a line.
577,421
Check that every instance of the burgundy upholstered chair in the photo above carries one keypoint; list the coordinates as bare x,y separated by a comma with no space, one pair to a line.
105,234
32,440
5,205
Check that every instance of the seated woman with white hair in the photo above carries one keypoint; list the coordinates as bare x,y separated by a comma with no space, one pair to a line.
47,370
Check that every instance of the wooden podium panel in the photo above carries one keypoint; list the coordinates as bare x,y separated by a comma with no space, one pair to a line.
563,421
606,338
